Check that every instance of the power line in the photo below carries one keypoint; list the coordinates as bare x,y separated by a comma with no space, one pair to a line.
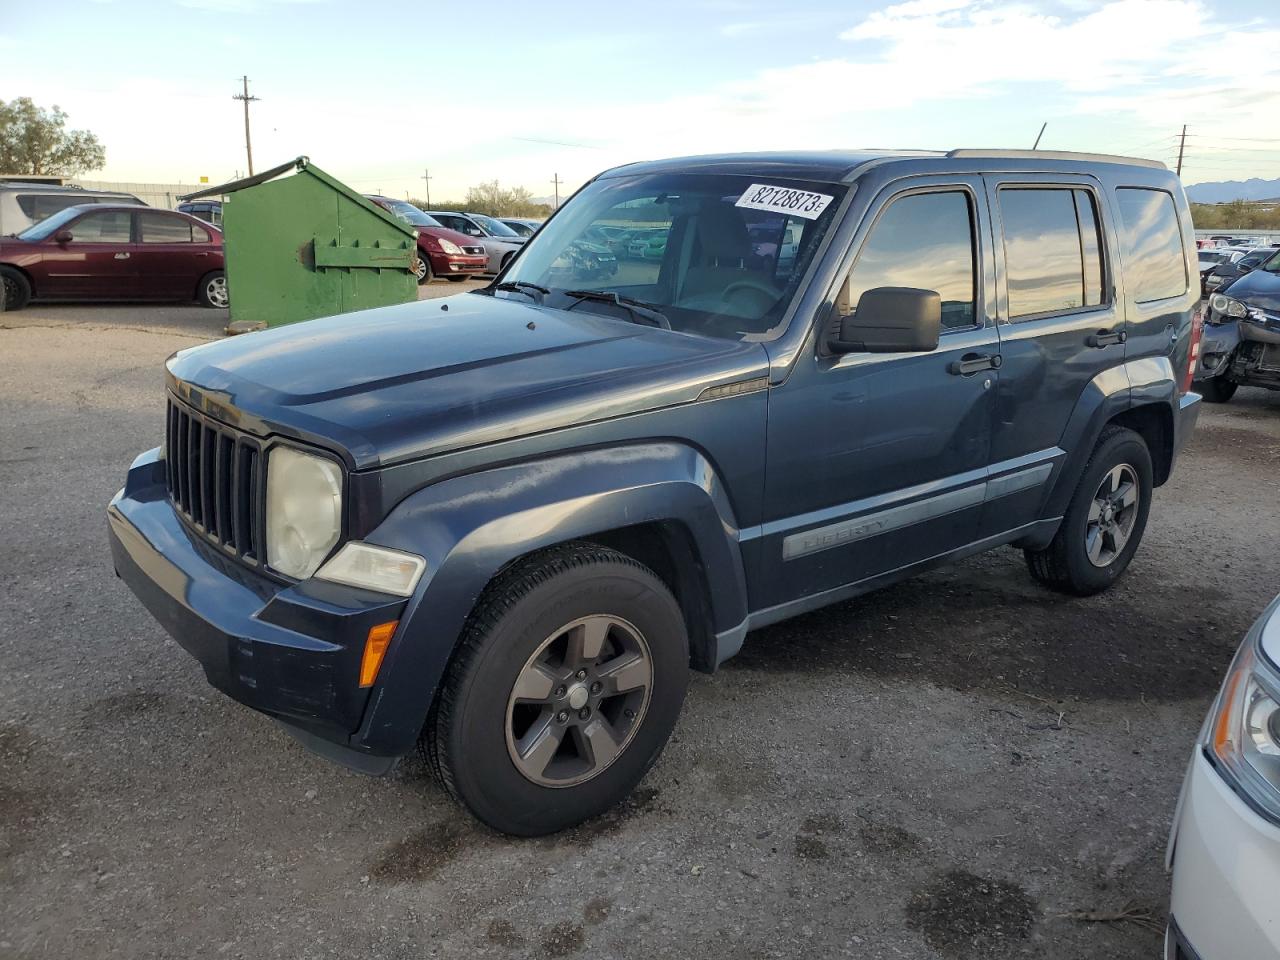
248,145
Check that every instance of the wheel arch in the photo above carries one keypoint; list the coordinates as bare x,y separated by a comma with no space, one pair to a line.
670,512
24,273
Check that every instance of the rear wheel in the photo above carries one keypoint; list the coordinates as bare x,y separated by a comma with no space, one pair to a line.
212,291
1217,389
565,687
1105,520
17,289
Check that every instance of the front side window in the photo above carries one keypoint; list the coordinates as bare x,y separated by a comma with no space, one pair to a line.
1052,250
923,240
158,228
711,254
108,226
1155,267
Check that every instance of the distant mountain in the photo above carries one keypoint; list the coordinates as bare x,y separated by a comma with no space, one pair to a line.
1223,192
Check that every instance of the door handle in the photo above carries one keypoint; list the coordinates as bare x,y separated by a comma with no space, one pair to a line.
974,363
122,256
1105,338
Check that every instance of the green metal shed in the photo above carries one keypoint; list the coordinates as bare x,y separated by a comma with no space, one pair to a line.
309,246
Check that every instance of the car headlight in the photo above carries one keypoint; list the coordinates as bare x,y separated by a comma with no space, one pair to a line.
1223,305
304,510
371,567
450,248
1242,735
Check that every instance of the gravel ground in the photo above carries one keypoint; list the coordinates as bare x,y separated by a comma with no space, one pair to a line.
948,768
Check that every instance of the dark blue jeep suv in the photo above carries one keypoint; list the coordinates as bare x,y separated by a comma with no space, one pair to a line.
506,524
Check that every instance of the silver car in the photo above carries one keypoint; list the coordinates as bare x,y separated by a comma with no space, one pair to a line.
500,242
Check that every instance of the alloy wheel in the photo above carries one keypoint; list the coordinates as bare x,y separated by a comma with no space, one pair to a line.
578,701
1112,515
216,291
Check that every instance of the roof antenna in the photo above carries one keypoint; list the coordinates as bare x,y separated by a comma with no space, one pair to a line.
1036,145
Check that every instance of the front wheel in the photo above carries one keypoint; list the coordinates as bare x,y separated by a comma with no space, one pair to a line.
422,270
17,289
212,291
563,691
1217,389
1105,520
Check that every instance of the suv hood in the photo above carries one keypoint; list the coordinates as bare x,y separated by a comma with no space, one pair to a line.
1258,288
399,383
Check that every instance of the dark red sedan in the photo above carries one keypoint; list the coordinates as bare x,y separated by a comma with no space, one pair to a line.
114,252
441,252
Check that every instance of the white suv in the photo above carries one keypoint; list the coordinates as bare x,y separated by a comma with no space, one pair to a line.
23,204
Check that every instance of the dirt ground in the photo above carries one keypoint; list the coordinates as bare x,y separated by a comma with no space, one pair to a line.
951,768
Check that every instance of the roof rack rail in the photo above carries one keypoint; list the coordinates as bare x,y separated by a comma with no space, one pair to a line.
1053,155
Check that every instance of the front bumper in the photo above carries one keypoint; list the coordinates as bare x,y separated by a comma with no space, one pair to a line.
1226,870
292,651
442,265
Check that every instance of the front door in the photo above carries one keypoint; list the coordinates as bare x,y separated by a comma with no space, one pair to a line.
96,263
1060,325
877,461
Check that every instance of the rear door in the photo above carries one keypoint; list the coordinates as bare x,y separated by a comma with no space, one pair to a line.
171,255
1060,326
96,263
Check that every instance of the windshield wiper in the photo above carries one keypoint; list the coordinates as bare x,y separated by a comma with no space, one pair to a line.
525,287
640,311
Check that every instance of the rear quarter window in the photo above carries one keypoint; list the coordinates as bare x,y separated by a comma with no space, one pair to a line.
1154,264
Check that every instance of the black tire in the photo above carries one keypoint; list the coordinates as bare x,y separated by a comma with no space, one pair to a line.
1065,565
505,260
1216,389
212,291
456,278
466,735
422,270
17,288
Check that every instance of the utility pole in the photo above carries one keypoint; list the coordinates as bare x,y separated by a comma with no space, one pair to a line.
1182,145
248,144
557,181
426,177
1036,145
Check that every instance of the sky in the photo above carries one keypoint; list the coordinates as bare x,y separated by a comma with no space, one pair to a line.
377,92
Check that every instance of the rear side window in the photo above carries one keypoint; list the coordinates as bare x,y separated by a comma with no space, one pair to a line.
922,240
159,228
37,206
1052,251
1155,267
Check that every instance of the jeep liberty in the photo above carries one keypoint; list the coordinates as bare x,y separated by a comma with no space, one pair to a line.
505,525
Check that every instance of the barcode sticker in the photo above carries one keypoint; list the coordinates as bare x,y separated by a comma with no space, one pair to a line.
800,203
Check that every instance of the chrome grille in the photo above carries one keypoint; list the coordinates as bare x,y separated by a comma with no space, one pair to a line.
215,476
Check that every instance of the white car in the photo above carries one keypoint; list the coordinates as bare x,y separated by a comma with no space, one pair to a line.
1225,847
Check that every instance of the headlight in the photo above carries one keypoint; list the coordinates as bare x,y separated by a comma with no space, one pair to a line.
304,510
450,248
382,569
1242,735
1221,304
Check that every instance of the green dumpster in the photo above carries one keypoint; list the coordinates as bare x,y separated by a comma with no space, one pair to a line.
305,246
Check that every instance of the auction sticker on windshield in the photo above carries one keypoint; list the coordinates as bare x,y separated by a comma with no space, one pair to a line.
801,203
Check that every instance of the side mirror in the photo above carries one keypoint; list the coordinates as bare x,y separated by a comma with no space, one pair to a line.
890,320
62,236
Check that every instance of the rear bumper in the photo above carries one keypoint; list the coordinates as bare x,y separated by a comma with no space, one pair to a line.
1226,869
290,651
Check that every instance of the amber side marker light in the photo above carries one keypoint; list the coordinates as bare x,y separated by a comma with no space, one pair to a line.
375,646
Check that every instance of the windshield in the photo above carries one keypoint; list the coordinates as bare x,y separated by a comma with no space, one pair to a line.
48,226
411,214
716,255
495,228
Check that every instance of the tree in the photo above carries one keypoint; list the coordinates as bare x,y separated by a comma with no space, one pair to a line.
35,141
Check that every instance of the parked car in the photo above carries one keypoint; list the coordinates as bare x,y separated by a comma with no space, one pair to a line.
210,211
1242,335
522,226
584,260
24,204
115,252
1206,261
441,252
499,241
1224,850
1221,276
508,523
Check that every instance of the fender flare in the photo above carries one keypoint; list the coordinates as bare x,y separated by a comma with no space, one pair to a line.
470,527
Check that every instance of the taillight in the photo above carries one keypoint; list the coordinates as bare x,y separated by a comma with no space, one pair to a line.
1193,353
